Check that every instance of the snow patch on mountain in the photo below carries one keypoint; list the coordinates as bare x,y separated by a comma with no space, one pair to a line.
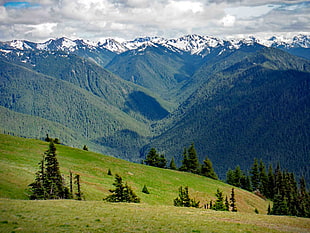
193,44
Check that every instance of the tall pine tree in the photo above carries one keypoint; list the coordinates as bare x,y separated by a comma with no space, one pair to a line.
193,163
207,169
233,201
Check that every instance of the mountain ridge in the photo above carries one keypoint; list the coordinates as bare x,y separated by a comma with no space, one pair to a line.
167,97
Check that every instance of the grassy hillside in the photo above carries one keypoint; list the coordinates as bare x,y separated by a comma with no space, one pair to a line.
19,159
98,216
156,213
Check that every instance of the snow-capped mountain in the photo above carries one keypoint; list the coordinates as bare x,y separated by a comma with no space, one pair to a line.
192,44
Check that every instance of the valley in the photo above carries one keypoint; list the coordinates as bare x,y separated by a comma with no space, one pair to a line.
236,100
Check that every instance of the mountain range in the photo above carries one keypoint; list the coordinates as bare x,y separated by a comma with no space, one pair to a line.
235,99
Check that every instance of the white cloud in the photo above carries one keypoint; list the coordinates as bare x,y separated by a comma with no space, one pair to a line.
94,19
228,20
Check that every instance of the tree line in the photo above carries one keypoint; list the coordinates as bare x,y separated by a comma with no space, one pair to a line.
281,187
184,200
289,197
190,162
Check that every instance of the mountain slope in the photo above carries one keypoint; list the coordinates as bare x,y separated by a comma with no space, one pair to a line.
19,159
88,115
258,107
155,67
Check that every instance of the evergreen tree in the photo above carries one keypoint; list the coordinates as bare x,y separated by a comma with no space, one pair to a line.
37,188
145,190
129,195
263,184
269,210
185,161
193,163
207,169
49,183
226,204
78,194
279,206
237,176
255,175
152,158
53,182
270,185
230,177
172,165
109,172
246,182
233,201
219,203
303,199
162,161
121,193
184,200
71,182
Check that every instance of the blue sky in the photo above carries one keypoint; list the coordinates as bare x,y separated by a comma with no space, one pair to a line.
39,20
20,5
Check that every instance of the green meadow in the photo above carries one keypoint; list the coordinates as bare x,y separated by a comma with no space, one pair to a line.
19,158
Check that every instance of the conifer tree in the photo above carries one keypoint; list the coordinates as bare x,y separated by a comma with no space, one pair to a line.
255,175
193,163
162,161
184,200
152,158
145,190
280,205
71,182
121,193
109,172
78,194
269,209
172,165
270,185
207,169
185,161
53,182
263,178
233,201
226,204
49,184
219,203
37,188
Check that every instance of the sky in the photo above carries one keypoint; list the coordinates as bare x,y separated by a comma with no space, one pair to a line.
40,20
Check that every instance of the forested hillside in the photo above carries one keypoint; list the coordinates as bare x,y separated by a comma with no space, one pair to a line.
258,107
234,101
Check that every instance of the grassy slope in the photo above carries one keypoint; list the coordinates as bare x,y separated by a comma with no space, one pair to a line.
19,159
98,216
18,163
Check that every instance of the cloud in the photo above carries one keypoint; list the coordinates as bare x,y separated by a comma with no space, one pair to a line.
228,20
93,19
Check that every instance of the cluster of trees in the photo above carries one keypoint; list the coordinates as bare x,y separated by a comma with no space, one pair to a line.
49,183
190,162
122,192
281,187
184,200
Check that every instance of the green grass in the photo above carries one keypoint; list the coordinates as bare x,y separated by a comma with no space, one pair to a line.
20,158
99,216
155,213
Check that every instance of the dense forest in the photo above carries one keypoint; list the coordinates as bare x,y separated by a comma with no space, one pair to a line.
235,103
